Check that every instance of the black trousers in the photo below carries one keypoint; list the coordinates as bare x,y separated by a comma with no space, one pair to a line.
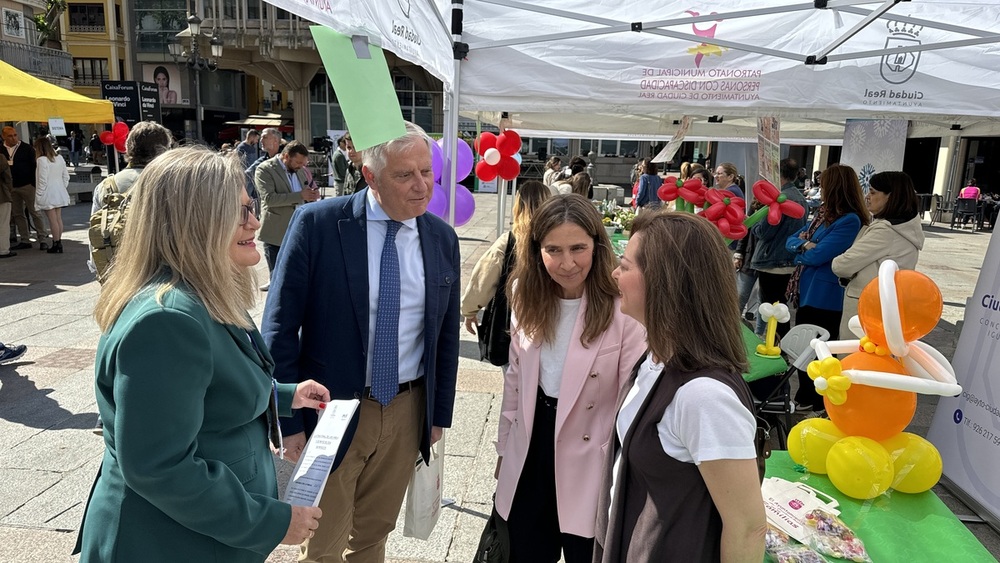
830,320
271,255
772,288
533,523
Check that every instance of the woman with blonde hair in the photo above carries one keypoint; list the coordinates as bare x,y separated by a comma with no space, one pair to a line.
727,177
813,287
571,351
183,379
51,193
486,274
681,482
688,169
553,168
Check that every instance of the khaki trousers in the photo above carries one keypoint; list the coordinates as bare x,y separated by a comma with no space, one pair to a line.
24,198
4,220
363,496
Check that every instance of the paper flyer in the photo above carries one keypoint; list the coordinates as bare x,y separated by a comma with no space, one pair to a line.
769,149
305,488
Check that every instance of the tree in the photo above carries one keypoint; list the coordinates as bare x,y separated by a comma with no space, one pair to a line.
46,23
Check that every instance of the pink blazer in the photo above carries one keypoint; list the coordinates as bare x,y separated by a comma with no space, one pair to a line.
585,415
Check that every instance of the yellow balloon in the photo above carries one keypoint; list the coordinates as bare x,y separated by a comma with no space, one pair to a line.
916,462
859,467
810,441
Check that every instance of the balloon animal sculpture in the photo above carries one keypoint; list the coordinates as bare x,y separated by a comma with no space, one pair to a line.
870,395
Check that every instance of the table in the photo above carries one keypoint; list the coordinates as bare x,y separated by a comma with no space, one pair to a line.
760,367
895,526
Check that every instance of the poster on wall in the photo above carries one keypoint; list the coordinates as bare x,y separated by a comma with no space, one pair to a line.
872,146
966,428
13,23
769,148
170,83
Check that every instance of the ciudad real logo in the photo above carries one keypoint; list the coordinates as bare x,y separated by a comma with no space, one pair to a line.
900,67
704,49
405,6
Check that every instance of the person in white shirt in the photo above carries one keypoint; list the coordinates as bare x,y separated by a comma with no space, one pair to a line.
51,193
683,482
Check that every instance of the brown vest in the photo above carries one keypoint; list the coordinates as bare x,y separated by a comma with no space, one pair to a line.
662,509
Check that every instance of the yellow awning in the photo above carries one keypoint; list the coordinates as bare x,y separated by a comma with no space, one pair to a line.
26,98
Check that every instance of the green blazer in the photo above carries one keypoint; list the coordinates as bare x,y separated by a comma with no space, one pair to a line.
187,473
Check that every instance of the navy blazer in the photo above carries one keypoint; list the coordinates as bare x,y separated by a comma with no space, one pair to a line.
316,316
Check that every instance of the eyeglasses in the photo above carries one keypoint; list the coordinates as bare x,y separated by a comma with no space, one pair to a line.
246,210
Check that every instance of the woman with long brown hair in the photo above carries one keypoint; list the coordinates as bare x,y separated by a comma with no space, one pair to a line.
571,350
813,287
682,482
51,190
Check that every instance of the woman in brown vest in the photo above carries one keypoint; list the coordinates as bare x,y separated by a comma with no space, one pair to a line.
681,482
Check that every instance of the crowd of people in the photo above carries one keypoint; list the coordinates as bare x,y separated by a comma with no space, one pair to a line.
626,430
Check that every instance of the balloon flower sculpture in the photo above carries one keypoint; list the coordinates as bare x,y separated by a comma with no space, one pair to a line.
870,395
726,211
465,204
501,155
116,137
772,314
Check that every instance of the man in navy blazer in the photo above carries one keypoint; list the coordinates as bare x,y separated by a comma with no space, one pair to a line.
319,324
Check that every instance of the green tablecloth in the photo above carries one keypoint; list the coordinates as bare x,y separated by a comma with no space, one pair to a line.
896,526
760,367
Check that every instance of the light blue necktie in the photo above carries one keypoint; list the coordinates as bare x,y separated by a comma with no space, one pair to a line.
385,356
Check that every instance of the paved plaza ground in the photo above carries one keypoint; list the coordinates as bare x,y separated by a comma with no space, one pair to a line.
49,456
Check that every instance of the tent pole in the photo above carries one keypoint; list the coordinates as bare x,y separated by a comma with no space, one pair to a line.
451,111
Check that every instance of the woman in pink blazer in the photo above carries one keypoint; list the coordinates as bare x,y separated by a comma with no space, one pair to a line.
571,351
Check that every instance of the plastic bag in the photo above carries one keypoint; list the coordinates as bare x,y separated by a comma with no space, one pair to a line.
423,497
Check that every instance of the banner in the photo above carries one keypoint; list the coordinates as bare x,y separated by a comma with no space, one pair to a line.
170,84
769,149
668,152
966,429
873,145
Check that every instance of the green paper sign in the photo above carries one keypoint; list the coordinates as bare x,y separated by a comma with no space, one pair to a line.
360,76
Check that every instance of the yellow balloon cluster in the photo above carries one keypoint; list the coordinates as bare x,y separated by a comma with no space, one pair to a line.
861,467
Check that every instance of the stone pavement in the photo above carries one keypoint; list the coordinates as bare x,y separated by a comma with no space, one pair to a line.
48,455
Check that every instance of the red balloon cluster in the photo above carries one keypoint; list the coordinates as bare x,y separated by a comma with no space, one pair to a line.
727,212
117,136
498,155
776,202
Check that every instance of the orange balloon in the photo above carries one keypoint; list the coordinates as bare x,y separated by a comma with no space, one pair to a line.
920,306
873,412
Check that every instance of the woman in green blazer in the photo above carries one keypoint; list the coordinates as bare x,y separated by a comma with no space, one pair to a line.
184,381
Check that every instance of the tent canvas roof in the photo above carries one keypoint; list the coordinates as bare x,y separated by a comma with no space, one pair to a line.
26,98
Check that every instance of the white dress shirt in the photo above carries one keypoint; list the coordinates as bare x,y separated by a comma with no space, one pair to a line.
293,178
411,290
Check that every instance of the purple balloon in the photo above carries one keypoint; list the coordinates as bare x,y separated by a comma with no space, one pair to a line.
464,158
438,204
437,161
465,205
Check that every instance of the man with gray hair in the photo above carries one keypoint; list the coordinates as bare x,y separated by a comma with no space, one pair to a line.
365,299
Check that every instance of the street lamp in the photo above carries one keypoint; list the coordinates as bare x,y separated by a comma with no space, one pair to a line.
196,62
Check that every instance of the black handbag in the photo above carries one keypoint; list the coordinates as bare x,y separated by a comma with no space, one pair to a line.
494,544
494,331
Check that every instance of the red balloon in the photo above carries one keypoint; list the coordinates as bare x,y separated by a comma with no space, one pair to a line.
509,143
120,130
485,142
107,137
508,168
486,172
120,145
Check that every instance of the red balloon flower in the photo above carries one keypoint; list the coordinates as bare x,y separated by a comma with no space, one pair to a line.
498,155
117,136
727,212
777,203
669,190
693,192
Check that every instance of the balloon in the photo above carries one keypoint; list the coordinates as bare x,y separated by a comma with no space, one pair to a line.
873,412
485,172
465,205
120,145
916,462
486,141
920,307
810,441
509,142
437,160
108,137
860,468
508,168
464,159
517,157
438,204
120,130
492,157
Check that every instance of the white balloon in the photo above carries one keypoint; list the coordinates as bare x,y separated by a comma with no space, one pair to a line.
491,156
517,157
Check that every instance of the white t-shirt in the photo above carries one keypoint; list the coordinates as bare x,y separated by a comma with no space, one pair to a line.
553,354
